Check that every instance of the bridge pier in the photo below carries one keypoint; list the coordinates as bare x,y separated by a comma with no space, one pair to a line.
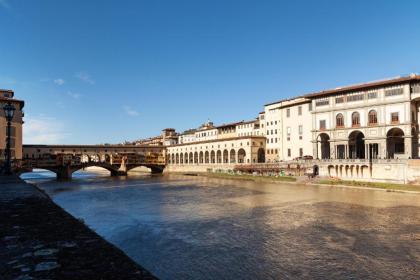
118,173
156,170
64,173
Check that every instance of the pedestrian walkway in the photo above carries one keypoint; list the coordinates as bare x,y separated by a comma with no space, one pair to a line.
39,240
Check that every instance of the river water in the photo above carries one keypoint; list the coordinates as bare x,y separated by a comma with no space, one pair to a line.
184,227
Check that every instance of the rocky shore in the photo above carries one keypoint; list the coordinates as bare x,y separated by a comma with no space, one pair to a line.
39,240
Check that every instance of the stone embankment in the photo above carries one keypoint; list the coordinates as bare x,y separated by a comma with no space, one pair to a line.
39,240
314,181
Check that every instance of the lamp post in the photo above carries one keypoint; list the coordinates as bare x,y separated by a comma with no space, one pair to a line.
9,111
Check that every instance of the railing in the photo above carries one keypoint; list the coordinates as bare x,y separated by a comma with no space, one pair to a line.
320,161
15,164
30,163
356,161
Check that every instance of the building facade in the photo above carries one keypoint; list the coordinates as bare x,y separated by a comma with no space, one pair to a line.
206,131
288,126
248,128
271,128
222,153
7,96
296,116
166,138
368,131
376,120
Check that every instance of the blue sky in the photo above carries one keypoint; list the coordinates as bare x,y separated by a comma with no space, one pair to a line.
107,71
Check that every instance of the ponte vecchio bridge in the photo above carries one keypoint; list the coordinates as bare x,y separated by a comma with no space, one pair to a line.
66,159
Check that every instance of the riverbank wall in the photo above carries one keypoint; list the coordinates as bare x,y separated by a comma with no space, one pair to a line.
290,169
397,171
198,168
39,240
401,171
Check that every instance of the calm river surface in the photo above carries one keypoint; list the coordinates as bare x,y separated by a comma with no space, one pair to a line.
182,227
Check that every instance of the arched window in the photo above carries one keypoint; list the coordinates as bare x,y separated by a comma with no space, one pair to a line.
373,117
339,120
355,119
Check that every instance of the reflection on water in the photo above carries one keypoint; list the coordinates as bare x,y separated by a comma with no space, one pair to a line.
183,227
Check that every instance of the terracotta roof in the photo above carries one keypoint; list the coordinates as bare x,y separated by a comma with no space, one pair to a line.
289,99
366,86
204,128
219,140
252,121
6,90
355,87
21,102
233,123
229,124
189,131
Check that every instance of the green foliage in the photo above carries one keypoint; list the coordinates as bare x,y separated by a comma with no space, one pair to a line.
386,186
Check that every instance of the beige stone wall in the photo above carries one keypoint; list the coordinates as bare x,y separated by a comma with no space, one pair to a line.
18,140
247,129
206,134
288,128
272,130
300,127
392,171
226,135
187,138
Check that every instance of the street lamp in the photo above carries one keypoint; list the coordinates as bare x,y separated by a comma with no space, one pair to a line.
9,111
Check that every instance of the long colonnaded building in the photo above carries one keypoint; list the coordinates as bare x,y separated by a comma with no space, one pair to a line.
364,131
211,148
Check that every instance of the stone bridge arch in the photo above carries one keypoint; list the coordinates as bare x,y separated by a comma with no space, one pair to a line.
65,172
154,169
26,171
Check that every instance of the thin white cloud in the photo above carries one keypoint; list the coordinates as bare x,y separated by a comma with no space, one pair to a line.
130,111
73,95
43,130
85,77
59,81
5,4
